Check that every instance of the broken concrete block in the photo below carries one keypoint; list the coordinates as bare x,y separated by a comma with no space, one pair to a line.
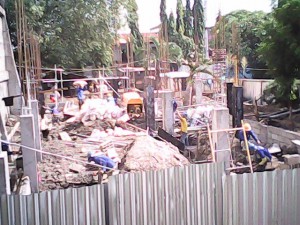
73,179
64,136
274,149
77,168
292,159
297,144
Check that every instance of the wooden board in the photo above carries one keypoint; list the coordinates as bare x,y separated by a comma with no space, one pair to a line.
169,138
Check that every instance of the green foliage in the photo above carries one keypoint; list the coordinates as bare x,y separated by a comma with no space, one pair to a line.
132,18
199,24
241,32
172,33
72,33
179,18
175,52
163,14
188,20
185,43
281,49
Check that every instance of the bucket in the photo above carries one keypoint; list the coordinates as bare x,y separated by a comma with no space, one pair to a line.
9,101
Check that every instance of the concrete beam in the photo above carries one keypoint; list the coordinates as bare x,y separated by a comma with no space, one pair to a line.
4,174
29,156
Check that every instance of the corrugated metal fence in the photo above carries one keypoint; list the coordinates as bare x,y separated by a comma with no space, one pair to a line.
82,206
198,194
189,195
262,198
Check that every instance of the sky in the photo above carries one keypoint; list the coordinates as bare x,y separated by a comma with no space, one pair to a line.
149,10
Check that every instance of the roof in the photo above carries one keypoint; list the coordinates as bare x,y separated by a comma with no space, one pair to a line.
124,38
134,69
178,74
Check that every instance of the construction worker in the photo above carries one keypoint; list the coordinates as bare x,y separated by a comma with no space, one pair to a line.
183,128
263,152
80,95
102,160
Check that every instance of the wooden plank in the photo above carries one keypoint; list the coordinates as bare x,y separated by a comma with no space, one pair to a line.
169,138
13,131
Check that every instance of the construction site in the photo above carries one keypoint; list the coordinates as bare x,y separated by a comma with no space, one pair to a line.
115,145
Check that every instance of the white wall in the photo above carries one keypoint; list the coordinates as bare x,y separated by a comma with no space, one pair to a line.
253,89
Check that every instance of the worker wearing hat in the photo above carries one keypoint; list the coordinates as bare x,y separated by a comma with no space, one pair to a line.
184,126
263,152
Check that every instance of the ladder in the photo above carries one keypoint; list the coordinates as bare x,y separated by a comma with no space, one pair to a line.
215,151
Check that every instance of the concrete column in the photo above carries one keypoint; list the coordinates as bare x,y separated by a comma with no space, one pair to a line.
199,90
36,121
237,110
29,156
4,175
229,96
220,120
168,114
14,83
149,106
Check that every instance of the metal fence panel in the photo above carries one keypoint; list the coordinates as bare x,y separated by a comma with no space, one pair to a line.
180,195
262,198
197,194
60,207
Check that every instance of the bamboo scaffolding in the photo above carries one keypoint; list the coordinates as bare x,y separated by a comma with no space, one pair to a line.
213,151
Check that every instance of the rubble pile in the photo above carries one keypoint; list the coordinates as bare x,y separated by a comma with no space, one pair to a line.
133,152
148,153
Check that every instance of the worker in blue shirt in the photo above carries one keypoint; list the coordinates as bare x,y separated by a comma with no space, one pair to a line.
80,95
102,160
263,152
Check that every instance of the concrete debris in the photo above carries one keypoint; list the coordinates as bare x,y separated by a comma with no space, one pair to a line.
127,148
93,109
292,160
297,144
274,149
291,149
200,115
65,136
77,168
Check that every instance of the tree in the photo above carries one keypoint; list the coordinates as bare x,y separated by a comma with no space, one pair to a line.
179,18
133,19
188,20
199,25
163,19
172,33
241,32
281,50
163,14
72,33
